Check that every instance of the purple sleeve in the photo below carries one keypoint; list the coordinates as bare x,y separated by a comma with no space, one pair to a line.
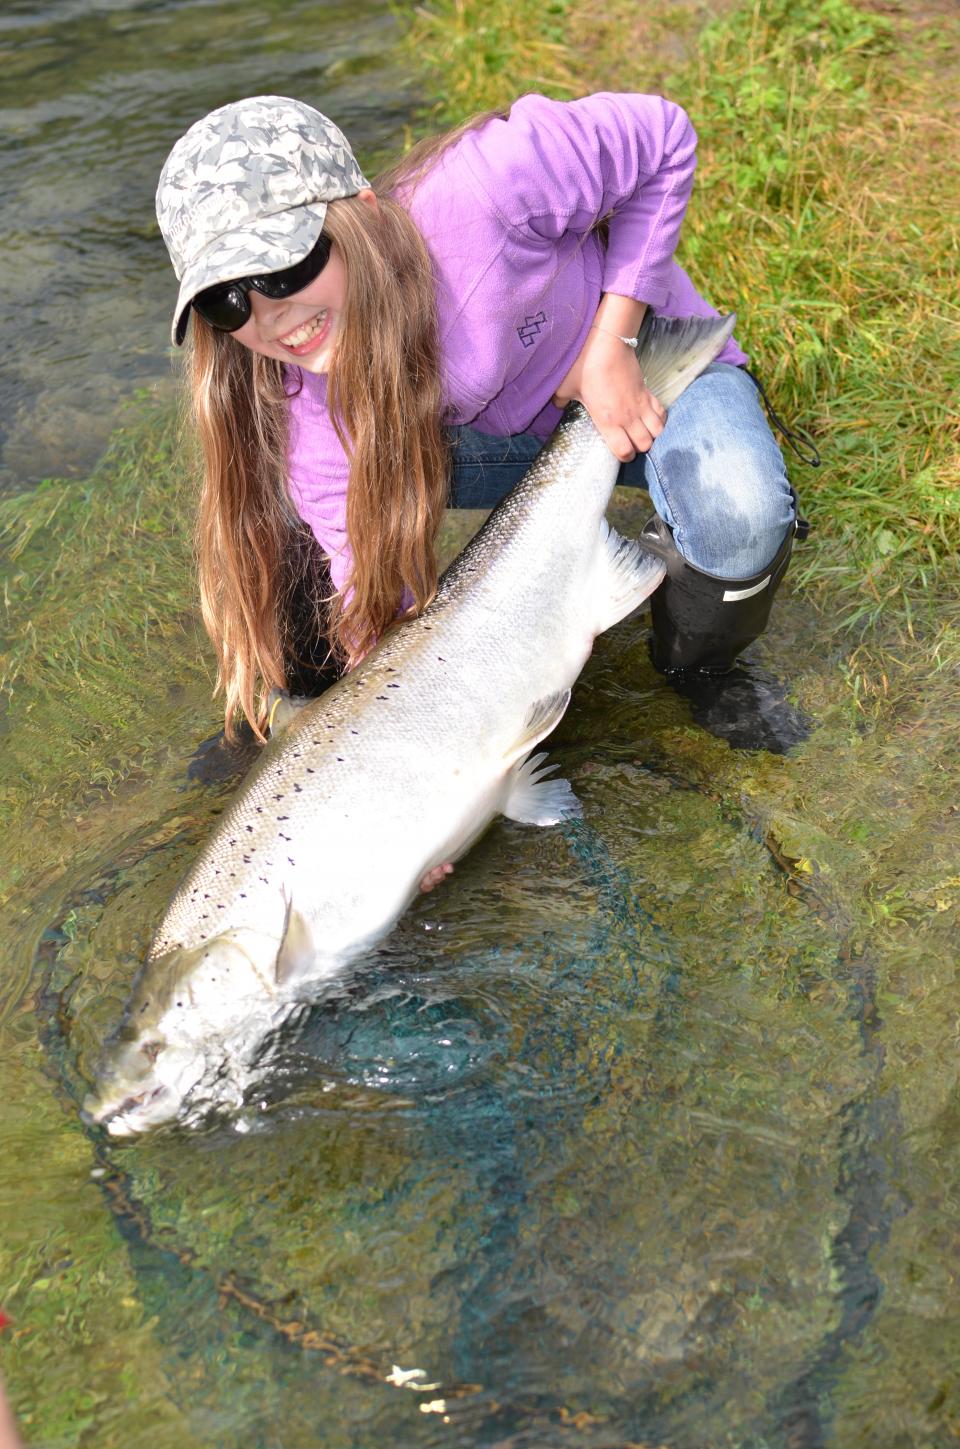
555,167
319,473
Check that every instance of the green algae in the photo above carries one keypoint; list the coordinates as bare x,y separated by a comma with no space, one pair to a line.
736,982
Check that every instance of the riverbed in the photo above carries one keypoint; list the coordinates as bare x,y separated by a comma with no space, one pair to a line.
640,1130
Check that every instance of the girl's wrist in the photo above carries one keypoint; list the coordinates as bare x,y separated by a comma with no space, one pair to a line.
630,341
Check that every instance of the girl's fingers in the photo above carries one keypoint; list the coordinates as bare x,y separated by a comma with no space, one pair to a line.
635,438
620,443
435,876
656,407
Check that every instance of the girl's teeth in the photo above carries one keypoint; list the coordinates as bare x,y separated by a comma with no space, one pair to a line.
304,333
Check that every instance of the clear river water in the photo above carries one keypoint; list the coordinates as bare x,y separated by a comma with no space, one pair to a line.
641,1131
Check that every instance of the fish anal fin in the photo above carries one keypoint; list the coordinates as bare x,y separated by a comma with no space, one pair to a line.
626,576
542,717
535,800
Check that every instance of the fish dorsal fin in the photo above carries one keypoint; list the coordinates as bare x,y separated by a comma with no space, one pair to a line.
542,717
672,351
281,709
626,575
296,949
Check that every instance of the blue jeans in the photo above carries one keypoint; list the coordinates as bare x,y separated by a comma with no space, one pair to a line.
715,474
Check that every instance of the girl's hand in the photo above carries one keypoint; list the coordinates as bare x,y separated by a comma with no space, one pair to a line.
606,378
435,876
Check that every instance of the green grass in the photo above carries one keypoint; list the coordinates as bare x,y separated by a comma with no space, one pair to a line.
825,212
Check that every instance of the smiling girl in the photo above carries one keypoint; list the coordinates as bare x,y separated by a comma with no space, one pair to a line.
361,356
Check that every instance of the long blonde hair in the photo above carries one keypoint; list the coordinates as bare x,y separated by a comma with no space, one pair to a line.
384,392
385,397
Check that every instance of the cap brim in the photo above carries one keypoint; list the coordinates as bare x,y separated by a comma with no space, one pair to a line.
268,245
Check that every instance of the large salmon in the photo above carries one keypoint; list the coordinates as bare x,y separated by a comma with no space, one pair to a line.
396,769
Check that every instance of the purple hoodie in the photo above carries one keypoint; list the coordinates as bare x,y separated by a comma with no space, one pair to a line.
506,214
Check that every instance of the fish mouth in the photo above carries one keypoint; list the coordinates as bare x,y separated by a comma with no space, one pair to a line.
120,1120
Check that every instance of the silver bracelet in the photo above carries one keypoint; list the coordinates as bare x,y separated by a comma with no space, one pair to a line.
630,341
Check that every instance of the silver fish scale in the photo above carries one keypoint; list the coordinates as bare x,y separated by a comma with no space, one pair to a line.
382,752
397,768
390,772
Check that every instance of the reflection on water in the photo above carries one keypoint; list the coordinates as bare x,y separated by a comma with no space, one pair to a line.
92,96
642,1130
625,1136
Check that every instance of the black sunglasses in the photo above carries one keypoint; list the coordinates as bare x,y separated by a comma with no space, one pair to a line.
227,305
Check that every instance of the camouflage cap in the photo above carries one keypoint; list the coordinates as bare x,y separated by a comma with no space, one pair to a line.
245,191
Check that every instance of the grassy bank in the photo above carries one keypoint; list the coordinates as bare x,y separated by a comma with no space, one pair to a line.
826,213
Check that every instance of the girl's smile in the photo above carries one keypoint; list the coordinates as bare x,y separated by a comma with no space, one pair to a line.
302,327
306,337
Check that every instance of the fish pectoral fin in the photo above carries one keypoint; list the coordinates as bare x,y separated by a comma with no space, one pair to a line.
535,800
627,575
281,709
542,717
296,949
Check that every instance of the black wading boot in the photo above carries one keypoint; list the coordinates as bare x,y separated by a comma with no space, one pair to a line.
700,624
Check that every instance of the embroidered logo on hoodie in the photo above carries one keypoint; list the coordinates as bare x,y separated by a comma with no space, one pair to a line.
530,330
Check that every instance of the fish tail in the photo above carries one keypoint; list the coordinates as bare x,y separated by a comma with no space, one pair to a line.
672,351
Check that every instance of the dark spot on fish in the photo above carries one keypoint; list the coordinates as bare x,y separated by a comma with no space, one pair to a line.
340,759
441,658
381,696
393,686
259,809
310,772
291,860
233,842
354,732
278,797
249,829
144,1007
264,879
243,895
221,908
206,895
299,789
246,860
283,817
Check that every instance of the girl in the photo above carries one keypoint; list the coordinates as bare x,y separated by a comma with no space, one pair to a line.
364,355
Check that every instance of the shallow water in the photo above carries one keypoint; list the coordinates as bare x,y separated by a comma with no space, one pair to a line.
92,97
640,1130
